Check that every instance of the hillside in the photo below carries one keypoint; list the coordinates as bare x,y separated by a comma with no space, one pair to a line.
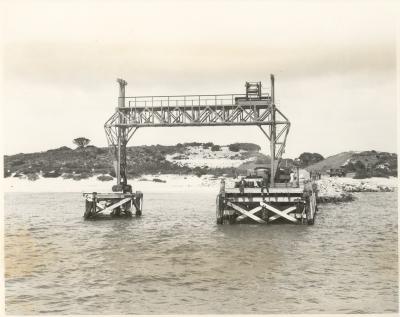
188,158
334,161
184,159
364,164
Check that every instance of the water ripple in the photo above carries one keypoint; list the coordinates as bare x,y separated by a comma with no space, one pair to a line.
175,259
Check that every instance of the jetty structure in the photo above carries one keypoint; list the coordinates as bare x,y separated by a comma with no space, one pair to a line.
255,198
253,108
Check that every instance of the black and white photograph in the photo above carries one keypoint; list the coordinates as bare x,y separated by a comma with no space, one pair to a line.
199,157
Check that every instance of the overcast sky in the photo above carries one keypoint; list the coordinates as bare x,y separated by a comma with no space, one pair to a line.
335,68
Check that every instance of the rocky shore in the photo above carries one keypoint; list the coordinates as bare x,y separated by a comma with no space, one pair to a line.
338,189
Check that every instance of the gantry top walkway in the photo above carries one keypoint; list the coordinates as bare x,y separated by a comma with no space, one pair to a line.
195,110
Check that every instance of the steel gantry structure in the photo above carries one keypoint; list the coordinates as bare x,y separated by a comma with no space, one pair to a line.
254,108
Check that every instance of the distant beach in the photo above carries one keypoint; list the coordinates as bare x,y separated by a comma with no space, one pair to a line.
330,188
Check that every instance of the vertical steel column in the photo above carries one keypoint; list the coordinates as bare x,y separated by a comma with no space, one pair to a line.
121,133
273,131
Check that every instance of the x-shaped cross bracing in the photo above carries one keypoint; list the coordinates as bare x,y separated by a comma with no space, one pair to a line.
280,213
251,213
245,213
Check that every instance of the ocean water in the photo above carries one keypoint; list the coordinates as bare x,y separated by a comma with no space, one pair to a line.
175,259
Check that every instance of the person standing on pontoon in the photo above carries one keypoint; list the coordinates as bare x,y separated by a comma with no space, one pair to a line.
292,179
265,183
242,184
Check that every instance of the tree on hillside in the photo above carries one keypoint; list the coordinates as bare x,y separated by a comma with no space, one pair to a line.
307,158
81,142
234,148
249,147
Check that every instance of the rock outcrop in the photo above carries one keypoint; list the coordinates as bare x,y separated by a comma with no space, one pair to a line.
337,189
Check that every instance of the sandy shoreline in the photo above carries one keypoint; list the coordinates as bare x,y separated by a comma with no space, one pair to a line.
335,188
173,184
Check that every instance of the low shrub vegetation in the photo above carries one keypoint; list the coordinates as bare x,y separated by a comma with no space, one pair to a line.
67,175
32,176
250,147
105,178
78,177
85,162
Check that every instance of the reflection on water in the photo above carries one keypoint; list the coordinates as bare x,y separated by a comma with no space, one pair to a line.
175,259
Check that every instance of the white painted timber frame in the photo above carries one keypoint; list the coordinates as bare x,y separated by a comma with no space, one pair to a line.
247,213
280,213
